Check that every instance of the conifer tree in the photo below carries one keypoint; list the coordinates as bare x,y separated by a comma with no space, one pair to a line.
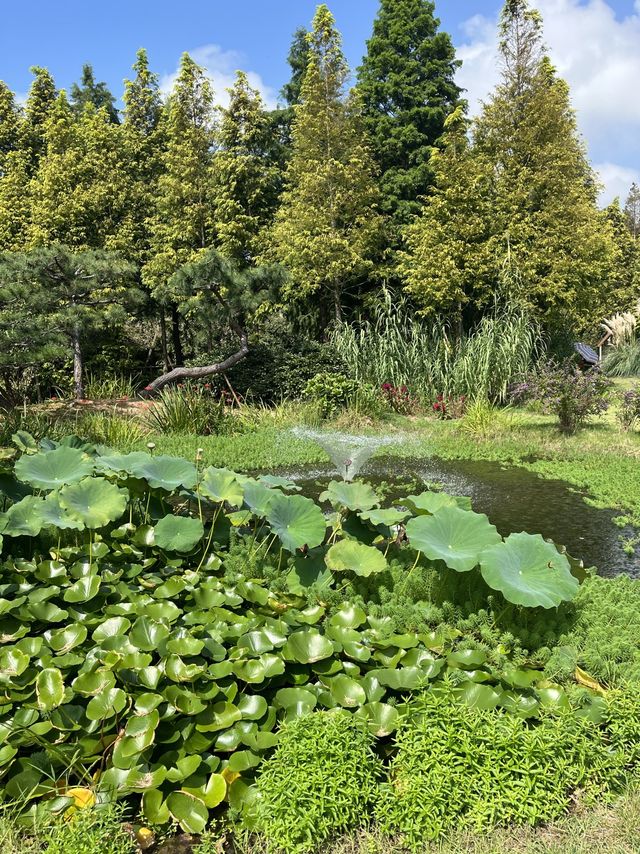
91,93
246,182
53,298
539,216
183,222
79,192
15,202
10,120
40,101
407,86
326,227
623,290
632,210
143,143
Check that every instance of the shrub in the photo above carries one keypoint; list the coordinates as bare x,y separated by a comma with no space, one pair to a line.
623,361
115,431
332,392
478,418
321,780
566,392
459,766
629,412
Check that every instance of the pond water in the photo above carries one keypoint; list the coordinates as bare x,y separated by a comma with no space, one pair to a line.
513,498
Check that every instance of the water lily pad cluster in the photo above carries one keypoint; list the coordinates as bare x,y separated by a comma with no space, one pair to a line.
130,662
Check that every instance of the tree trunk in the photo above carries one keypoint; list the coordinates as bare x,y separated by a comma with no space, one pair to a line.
78,379
166,367
337,304
175,336
182,373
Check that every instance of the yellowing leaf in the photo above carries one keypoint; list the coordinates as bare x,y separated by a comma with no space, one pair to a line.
584,678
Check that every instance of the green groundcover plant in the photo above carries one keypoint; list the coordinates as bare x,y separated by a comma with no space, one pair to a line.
160,621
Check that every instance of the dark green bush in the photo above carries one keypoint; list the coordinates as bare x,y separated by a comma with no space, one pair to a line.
459,766
321,780
331,391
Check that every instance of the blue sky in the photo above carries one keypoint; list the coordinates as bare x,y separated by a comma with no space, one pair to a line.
595,44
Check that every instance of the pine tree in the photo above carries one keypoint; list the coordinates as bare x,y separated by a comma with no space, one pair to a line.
632,210
90,93
327,224
54,297
40,101
183,221
407,86
298,60
15,202
79,192
246,183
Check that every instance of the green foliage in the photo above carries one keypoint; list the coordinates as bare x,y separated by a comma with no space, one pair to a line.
88,831
191,408
407,87
320,781
458,766
89,93
115,431
628,412
332,392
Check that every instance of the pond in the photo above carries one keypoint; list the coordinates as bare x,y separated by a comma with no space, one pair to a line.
513,498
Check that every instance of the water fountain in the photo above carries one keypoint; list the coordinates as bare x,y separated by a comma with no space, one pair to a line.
347,452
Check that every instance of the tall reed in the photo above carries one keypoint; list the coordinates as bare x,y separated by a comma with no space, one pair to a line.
397,348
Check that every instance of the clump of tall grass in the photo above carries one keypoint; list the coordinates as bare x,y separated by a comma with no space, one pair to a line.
116,387
189,409
623,361
427,358
116,431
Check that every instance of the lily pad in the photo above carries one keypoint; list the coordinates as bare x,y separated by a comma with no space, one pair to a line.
168,473
296,520
455,536
356,557
529,571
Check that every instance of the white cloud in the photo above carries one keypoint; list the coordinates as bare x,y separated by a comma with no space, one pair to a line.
221,66
617,181
597,53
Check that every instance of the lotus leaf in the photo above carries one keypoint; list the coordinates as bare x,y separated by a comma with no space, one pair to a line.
189,811
24,518
178,533
307,646
49,688
529,571
347,692
387,517
455,536
432,502
168,473
297,521
94,501
275,482
221,485
257,496
53,514
353,496
479,696
53,469
356,557
381,718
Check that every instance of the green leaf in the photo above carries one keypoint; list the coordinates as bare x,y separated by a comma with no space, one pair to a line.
296,701
154,807
107,704
221,485
54,515
214,791
147,634
381,718
297,521
431,502
52,469
347,692
178,533
529,571
24,518
83,590
168,473
94,501
479,696
49,688
455,536
352,496
189,811
356,557
388,517
13,662
307,646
